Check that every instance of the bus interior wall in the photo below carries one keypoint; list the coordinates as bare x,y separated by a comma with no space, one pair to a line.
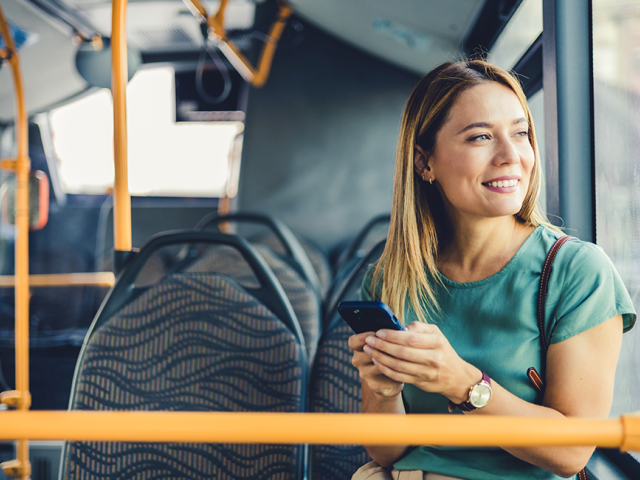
320,138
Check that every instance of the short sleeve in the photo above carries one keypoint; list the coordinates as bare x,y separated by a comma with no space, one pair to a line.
588,292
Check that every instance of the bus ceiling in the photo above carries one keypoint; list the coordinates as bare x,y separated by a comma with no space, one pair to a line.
416,37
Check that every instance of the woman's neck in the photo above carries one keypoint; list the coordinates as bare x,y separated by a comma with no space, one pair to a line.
479,249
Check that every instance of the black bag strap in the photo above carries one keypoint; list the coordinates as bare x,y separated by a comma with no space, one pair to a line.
543,290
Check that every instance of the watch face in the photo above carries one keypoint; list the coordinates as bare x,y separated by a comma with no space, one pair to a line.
480,395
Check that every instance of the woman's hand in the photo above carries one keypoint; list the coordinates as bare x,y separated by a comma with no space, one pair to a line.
378,383
421,356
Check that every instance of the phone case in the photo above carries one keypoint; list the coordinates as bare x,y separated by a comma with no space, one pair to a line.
369,316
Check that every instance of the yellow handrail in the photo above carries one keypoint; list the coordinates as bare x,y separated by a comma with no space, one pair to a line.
119,73
255,76
90,279
320,428
20,398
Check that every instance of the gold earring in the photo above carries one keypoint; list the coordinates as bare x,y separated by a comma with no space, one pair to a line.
424,177
430,180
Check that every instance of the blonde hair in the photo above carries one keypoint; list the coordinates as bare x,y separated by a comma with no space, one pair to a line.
418,219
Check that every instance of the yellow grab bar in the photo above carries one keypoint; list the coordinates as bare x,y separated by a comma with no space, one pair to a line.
91,279
119,75
320,428
20,397
255,76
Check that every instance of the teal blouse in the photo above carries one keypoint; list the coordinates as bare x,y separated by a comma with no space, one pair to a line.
492,324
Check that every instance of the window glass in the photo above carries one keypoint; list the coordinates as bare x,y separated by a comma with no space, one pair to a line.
165,158
516,38
536,105
616,65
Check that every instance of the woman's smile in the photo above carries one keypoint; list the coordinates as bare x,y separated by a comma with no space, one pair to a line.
504,184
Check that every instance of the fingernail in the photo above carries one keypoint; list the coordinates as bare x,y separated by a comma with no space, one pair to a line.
367,349
375,362
370,341
381,333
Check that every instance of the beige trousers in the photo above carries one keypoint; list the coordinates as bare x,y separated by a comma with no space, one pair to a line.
373,471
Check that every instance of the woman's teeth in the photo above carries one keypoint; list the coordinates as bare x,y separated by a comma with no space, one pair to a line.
502,183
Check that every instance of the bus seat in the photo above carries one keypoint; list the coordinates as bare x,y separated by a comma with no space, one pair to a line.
192,342
373,232
350,285
305,303
286,243
317,257
335,383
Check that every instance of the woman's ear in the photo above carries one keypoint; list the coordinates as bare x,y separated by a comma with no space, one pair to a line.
420,161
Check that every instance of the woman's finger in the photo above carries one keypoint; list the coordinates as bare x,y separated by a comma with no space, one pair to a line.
356,342
402,352
421,370
419,340
360,359
394,375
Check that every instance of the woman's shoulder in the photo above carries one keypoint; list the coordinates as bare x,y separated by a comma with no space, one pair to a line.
584,283
576,257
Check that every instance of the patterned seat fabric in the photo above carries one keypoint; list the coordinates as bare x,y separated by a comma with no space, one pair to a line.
305,303
335,388
191,343
318,259
335,382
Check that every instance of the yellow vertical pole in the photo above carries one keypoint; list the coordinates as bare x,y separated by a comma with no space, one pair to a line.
119,74
20,398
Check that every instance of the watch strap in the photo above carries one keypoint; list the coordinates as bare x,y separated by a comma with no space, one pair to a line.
468,406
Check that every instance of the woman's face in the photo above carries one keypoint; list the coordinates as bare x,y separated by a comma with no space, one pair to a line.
482,159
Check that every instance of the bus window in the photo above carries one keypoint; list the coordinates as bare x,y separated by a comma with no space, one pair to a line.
165,158
536,105
616,85
521,31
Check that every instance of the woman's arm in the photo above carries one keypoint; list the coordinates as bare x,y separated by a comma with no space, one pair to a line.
379,395
579,381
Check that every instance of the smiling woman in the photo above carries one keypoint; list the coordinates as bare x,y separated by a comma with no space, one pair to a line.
483,150
462,268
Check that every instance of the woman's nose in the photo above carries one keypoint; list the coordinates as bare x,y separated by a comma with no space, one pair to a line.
506,152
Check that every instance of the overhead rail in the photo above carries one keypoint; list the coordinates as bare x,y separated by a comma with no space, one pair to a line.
218,35
69,17
321,428
20,398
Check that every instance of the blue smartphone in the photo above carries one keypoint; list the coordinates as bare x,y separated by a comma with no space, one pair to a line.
369,316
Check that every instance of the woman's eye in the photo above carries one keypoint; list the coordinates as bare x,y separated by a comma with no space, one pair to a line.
522,134
479,138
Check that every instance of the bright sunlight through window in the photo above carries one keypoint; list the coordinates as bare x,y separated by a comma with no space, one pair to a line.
165,158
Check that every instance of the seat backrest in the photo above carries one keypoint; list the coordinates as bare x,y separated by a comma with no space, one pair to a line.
374,231
317,257
335,383
192,342
335,388
285,243
304,301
